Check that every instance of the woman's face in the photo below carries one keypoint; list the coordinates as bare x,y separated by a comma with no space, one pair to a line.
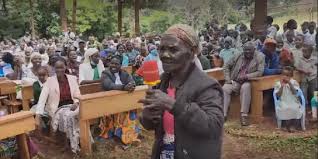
121,49
174,54
60,68
72,56
95,58
114,65
37,61
27,53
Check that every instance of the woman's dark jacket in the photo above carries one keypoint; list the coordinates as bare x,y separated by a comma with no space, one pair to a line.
198,114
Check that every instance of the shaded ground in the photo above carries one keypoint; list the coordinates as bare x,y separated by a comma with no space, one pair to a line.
253,142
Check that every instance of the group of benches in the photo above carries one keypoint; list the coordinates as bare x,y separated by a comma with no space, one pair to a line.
95,103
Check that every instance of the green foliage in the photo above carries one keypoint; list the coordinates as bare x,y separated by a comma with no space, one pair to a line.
155,21
97,21
15,21
47,18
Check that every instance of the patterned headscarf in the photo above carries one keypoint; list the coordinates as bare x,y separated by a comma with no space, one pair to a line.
186,34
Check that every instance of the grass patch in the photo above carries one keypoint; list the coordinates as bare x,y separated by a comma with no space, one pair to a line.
275,144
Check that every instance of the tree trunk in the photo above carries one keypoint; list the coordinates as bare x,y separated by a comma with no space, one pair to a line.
74,16
32,25
63,16
4,6
120,14
137,25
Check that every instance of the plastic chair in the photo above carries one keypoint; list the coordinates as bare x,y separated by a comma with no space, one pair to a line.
303,108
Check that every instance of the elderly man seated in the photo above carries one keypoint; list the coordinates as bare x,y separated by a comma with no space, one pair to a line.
238,71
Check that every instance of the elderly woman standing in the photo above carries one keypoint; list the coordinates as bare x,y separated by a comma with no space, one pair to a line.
91,70
186,111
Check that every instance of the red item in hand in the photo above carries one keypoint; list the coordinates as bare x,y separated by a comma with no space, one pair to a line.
150,72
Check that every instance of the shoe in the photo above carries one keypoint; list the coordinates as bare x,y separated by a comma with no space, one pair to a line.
244,121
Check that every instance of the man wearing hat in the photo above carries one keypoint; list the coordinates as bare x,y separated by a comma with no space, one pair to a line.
272,66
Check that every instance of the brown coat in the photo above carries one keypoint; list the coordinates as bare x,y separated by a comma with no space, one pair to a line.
255,68
198,115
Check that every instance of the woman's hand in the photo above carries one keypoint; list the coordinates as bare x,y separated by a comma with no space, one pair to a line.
157,99
74,106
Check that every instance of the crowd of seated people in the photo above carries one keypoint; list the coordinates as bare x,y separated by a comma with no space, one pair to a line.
57,67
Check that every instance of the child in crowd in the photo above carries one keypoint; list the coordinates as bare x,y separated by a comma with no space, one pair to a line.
307,65
289,106
297,50
314,105
290,37
228,52
37,86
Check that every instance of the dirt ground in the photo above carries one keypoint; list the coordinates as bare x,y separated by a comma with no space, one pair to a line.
263,141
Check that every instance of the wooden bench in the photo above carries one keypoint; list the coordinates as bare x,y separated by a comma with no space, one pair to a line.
27,92
8,90
258,85
98,104
18,124
216,73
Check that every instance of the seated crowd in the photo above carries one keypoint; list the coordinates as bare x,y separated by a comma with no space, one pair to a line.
57,67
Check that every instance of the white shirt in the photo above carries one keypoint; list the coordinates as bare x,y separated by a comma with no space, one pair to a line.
117,81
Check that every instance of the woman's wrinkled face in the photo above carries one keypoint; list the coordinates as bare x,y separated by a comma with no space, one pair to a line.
37,61
60,68
114,65
174,54
72,56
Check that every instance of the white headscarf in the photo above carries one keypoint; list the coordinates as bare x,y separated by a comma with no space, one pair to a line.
88,53
34,55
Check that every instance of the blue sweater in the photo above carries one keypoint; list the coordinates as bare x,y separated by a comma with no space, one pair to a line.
272,66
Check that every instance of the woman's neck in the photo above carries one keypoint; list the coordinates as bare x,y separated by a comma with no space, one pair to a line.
61,78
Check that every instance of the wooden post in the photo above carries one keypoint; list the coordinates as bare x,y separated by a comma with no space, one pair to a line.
260,14
120,14
137,25
85,140
32,20
74,16
23,146
63,16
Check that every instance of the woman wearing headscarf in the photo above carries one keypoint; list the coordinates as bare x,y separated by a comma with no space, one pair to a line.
91,70
29,75
186,111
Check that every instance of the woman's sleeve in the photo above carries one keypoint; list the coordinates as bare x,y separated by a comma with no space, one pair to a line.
203,116
77,92
43,98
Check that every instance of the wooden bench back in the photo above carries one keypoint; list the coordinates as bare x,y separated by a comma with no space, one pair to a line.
111,102
91,88
7,87
15,124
